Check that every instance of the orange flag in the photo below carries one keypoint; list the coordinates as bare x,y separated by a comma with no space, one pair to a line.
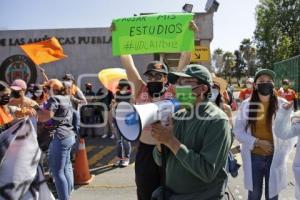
45,51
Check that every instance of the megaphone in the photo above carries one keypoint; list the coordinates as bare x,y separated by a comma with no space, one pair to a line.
132,119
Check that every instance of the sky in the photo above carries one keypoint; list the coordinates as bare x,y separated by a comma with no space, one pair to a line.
234,20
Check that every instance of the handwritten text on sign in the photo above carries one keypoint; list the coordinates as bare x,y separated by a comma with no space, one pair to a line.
201,53
152,34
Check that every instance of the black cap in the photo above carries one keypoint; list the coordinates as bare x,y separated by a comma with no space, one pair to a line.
157,67
3,86
68,77
37,87
123,83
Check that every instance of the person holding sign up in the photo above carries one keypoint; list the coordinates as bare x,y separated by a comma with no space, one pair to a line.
156,88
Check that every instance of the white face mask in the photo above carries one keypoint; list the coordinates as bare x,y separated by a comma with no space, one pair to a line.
214,94
123,92
38,93
249,85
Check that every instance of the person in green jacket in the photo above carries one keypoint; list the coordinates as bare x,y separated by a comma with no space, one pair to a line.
198,140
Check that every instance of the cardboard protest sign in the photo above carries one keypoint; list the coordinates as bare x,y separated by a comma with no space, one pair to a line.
152,34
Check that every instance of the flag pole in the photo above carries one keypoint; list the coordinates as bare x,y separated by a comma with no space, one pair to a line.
42,70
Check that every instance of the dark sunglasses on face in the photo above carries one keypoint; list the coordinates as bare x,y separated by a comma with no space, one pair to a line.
154,76
4,96
188,82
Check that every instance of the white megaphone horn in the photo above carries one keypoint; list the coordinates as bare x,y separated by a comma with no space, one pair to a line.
131,119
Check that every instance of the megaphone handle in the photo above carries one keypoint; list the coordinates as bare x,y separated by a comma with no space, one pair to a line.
163,166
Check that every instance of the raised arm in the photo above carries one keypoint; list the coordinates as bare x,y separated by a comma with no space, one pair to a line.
185,57
132,73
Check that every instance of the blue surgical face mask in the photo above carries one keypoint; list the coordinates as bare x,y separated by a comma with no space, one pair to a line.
214,95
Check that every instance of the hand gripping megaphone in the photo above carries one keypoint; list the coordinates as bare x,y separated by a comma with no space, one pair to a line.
131,119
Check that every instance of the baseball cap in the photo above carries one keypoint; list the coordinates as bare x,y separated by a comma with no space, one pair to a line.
195,71
157,67
285,81
264,72
18,84
3,86
250,80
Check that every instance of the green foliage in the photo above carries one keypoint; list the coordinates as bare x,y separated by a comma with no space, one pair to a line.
249,54
277,34
229,62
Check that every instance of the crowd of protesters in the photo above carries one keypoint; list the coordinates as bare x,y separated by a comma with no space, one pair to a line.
53,107
61,113
187,157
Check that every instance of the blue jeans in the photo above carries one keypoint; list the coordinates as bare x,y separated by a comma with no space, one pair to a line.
123,148
123,145
76,129
76,121
61,166
260,169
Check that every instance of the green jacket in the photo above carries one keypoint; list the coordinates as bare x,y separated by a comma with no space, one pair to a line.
199,165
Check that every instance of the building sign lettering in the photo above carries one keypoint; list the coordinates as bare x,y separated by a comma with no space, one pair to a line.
73,40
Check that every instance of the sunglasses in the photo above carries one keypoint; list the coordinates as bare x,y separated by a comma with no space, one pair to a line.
154,76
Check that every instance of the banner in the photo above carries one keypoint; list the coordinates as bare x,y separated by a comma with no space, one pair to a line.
20,177
153,34
45,51
201,53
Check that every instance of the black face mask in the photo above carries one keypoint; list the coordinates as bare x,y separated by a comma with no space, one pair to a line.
265,89
123,96
155,89
4,100
15,94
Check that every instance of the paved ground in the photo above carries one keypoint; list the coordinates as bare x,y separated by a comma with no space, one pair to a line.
112,183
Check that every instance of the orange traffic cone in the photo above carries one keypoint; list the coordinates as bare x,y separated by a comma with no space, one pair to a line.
82,174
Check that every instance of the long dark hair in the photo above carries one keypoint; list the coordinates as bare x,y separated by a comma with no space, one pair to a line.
219,100
254,106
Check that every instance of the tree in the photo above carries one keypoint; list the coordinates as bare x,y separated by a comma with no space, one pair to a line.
249,54
229,63
239,65
277,33
218,59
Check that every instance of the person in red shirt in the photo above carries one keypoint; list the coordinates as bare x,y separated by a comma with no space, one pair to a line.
287,93
246,93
